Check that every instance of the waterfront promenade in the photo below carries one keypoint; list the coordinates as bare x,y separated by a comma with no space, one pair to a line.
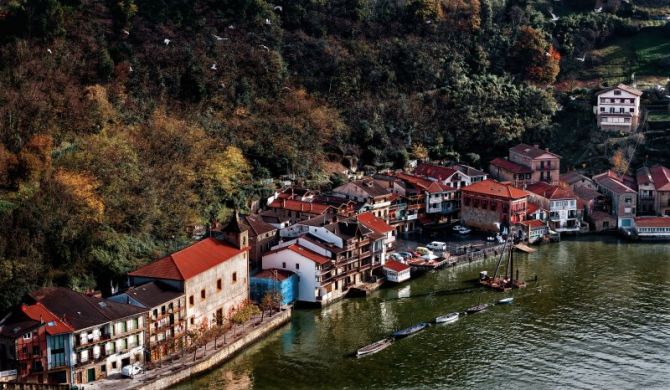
183,367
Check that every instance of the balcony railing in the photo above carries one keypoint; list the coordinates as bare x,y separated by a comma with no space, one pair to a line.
102,338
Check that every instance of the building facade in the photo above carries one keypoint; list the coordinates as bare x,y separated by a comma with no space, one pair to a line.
622,198
618,108
488,204
564,214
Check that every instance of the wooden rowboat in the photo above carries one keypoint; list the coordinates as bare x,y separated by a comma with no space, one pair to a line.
374,347
477,309
447,318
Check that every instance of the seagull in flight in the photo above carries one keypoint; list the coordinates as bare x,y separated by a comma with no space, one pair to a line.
130,69
559,107
166,41
267,22
231,27
581,59
49,51
598,10
278,8
125,32
218,38
554,17
213,67
264,47
573,98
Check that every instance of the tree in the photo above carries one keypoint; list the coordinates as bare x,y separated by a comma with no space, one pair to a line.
619,162
532,57
271,300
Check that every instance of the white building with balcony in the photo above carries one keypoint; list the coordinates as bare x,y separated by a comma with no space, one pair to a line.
618,108
564,215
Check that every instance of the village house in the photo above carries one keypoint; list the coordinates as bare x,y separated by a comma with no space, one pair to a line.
396,271
212,273
106,335
439,199
564,213
527,164
618,108
470,175
262,237
653,186
299,210
622,198
489,204
575,180
280,281
328,259
368,192
35,343
454,176
534,230
278,220
651,228
166,319
380,227
405,203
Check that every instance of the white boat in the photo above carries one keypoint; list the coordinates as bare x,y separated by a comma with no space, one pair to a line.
506,301
447,318
464,230
374,347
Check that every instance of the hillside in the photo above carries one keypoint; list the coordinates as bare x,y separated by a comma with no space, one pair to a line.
124,123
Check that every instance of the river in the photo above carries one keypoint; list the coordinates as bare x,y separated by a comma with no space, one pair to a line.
598,317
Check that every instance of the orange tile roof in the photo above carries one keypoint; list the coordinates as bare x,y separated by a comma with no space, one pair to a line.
424,183
550,191
304,252
533,223
374,223
298,205
40,313
532,151
396,266
436,171
509,165
190,261
661,177
494,188
652,222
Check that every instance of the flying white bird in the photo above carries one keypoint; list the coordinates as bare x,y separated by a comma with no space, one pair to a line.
581,59
213,67
264,47
166,41
278,8
598,10
223,85
554,17
429,21
130,68
546,53
559,107
268,22
667,96
573,98
49,51
231,27
126,32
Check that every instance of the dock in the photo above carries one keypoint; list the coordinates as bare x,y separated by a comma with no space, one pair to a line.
525,248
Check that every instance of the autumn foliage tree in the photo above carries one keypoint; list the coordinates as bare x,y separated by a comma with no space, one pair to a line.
532,57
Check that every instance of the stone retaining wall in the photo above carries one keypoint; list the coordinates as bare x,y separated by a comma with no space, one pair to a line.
225,353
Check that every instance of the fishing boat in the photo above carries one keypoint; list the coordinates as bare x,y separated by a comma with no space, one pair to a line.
374,347
477,309
411,330
506,301
447,318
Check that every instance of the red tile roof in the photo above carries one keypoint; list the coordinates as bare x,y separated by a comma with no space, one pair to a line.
661,177
613,182
494,188
533,223
532,207
652,222
396,266
424,183
532,151
40,313
190,261
435,171
549,191
373,223
509,165
304,252
622,87
298,205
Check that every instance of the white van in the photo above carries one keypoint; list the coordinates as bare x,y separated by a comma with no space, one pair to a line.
437,246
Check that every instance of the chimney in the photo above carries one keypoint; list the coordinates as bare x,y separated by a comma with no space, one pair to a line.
546,149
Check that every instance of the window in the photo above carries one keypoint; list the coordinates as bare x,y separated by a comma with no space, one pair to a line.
617,92
114,365
283,264
36,350
234,277
612,109
621,110
28,336
103,368
155,313
219,285
202,294
191,301
192,321
136,321
632,110
602,109
297,265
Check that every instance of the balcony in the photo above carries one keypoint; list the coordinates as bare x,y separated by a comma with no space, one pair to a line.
78,344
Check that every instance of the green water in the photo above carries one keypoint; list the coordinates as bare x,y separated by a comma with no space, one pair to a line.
598,317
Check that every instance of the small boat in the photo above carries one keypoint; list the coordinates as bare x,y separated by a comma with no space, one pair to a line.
374,347
464,230
477,309
411,330
447,318
506,301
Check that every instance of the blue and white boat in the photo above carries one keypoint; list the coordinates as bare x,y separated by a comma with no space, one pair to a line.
411,330
506,301
447,318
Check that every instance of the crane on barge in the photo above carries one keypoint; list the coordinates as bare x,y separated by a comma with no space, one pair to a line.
508,281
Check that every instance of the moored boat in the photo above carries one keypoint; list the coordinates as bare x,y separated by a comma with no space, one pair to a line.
411,330
447,318
506,301
374,347
477,309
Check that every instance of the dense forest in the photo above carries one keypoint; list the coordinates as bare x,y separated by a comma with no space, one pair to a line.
125,122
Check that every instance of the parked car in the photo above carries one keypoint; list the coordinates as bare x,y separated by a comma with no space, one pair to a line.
438,246
423,251
131,370
406,255
396,257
